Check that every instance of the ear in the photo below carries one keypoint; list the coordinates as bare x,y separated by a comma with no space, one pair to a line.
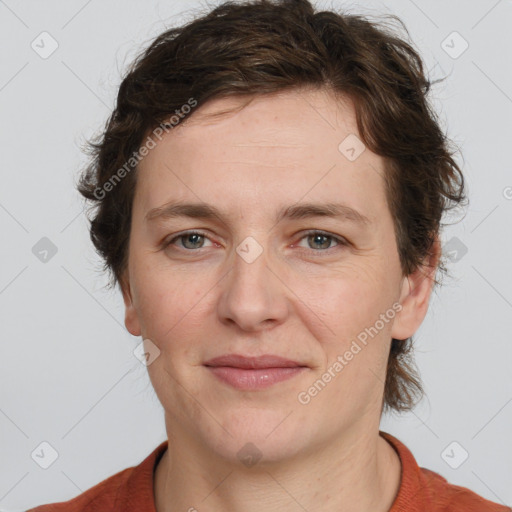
415,293
131,319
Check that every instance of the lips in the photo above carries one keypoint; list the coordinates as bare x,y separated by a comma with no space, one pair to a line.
264,361
253,373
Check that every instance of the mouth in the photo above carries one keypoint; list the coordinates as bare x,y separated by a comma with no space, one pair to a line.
252,373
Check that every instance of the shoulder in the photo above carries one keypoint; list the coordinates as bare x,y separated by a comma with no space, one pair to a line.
447,497
100,497
129,490
423,490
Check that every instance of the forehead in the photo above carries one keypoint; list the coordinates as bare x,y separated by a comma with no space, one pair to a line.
290,119
276,149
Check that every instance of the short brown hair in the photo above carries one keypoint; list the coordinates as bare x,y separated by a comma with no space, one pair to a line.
260,47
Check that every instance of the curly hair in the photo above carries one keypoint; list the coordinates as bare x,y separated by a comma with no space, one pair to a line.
260,47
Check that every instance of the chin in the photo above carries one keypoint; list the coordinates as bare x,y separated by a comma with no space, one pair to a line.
259,436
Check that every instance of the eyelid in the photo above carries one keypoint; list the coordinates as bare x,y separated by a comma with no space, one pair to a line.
341,241
328,234
174,237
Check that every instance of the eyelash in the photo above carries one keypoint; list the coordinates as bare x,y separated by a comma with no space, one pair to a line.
341,241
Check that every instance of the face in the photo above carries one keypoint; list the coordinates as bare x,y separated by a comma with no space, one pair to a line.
256,278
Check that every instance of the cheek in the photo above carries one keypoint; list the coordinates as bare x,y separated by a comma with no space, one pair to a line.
166,301
351,328
345,301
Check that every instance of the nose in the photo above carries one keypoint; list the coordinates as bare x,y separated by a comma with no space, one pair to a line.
253,294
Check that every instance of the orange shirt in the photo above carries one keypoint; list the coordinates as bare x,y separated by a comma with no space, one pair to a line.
421,490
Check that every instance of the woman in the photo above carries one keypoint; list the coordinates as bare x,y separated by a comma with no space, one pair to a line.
268,197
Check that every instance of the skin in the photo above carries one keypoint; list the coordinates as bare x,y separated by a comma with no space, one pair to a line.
303,298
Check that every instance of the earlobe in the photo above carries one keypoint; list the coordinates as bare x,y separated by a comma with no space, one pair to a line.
131,319
415,294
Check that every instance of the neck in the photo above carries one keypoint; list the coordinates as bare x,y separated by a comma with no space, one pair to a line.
358,472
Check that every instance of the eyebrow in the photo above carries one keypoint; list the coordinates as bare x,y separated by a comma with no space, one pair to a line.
294,212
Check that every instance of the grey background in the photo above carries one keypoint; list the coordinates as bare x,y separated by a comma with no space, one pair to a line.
68,375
